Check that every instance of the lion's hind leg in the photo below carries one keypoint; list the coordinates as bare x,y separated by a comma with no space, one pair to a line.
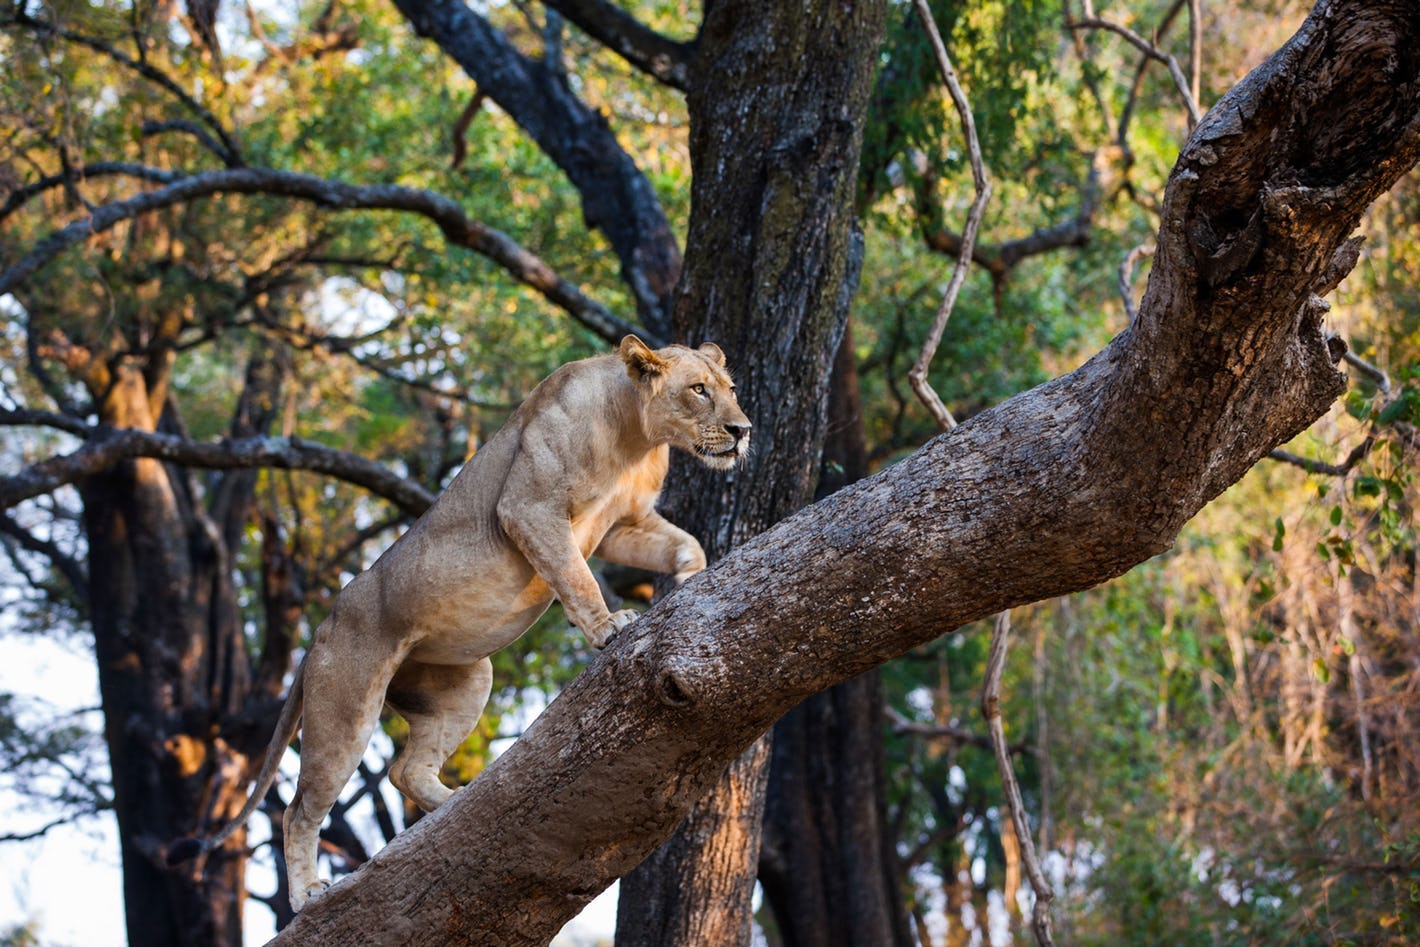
441,702
340,715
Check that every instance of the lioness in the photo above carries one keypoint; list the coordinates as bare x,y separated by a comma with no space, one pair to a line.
575,471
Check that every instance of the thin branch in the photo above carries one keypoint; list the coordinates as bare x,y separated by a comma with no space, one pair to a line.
37,833
991,710
917,375
66,565
1195,49
1153,52
152,128
229,150
1362,450
312,341
643,48
458,229
21,195
1126,276
1322,468
461,126
903,726
29,417
999,260
107,446
1374,372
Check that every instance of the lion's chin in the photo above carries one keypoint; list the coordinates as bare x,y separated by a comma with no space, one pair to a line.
721,460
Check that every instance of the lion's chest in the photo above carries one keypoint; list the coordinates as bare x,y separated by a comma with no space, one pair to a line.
628,495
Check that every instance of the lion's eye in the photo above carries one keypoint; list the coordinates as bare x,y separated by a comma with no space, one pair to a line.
698,389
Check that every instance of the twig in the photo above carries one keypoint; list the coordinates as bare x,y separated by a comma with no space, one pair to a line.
1374,372
917,375
1195,48
1153,52
991,710
1362,450
152,128
1126,276
228,150
67,565
37,833
902,725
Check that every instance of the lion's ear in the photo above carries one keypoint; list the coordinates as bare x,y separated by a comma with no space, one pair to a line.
641,361
713,351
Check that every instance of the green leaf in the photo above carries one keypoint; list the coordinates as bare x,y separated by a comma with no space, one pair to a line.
1367,486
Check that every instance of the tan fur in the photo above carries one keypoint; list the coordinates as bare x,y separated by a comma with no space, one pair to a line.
575,471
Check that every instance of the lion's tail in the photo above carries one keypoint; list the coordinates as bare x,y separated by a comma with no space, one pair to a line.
287,724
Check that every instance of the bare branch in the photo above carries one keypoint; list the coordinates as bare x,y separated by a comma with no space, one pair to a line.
917,375
991,710
1371,371
1000,259
187,128
28,417
1195,49
21,195
37,833
617,198
1153,52
1126,276
1362,450
107,446
653,53
458,229
229,151
903,726
67,565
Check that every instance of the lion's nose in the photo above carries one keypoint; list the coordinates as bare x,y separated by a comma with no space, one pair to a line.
738,431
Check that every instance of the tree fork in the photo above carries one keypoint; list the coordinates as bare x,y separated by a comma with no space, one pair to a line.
1055,490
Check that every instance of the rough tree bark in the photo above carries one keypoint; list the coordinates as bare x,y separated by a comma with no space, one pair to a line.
768,275
1057,489
173,671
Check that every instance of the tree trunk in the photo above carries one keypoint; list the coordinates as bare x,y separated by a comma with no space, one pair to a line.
171,660
768,275
1056,490
828,863
184,721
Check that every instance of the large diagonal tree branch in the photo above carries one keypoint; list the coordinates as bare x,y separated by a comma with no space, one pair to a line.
617,199
106,446
1055,490
458,229
653,53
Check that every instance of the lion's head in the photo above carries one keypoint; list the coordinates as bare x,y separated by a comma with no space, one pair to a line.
688,400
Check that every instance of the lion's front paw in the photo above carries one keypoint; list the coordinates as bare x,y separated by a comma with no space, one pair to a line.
688,561
607,628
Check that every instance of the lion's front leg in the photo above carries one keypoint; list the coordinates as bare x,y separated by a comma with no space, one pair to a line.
653,542
543,534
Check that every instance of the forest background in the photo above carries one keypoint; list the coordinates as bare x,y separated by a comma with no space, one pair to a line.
1218,747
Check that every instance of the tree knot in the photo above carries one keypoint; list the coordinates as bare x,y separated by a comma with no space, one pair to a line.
675,686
